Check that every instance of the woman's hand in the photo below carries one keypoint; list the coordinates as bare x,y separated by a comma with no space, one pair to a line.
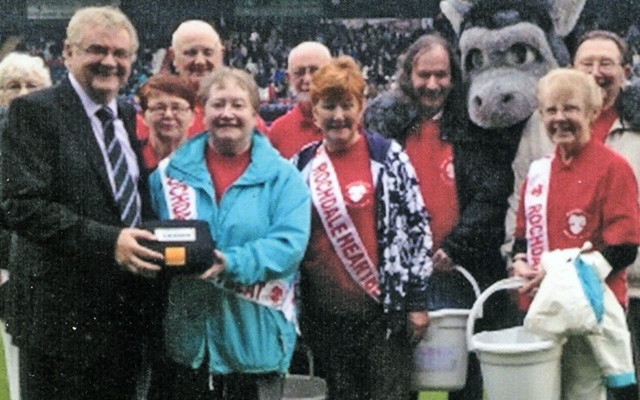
217,268
417,325
442,262
531,288
522,269
534,275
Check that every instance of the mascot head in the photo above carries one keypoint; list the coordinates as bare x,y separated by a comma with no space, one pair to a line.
506,46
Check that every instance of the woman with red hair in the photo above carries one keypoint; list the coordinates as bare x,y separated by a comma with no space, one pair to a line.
365,271
167,105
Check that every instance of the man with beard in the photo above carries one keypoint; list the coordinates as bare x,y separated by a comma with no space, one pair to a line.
196,50
74,190
607,58
412,114
423,113
289,133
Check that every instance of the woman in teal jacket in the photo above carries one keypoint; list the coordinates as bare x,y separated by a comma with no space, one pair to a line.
231,331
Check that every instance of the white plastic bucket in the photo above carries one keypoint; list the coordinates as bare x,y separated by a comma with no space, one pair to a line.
515,364
440,359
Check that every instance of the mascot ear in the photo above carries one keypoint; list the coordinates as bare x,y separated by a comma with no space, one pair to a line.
455,11
565,14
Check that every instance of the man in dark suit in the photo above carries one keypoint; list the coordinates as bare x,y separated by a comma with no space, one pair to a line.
73,190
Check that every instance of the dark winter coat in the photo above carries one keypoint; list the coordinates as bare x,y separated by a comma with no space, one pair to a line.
484,177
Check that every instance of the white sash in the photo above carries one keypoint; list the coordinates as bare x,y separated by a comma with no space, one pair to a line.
278,294
328,201
181,198
535,209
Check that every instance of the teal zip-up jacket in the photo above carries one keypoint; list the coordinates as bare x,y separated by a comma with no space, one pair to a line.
262,226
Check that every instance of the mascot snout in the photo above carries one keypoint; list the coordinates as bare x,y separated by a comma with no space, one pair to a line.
500,98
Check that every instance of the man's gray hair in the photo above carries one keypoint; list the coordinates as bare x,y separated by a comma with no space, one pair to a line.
107,18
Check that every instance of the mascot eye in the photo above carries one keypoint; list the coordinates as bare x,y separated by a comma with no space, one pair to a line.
520,54
473,60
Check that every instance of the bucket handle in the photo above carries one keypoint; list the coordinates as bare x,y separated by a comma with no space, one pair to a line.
470,278
306,350
476,310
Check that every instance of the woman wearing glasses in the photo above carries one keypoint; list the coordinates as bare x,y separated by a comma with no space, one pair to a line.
167,105
583,192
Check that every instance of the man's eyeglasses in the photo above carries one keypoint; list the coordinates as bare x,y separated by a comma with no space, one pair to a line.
605,65
103,51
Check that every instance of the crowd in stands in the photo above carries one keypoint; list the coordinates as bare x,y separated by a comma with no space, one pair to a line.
262,49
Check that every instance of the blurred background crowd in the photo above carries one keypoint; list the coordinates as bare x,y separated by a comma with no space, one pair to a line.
259,35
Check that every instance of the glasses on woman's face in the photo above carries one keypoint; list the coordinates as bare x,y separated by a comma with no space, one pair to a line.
564,109
161,109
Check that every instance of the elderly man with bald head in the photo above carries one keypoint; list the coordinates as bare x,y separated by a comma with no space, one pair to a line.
196,50
292,131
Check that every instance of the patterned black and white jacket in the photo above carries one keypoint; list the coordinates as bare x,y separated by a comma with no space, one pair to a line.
403,233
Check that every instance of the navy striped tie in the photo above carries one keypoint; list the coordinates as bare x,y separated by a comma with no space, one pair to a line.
126,193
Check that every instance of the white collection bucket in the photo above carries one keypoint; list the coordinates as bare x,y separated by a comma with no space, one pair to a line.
440,359
515,364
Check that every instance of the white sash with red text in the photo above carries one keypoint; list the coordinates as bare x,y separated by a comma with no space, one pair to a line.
278,294
328,201
535,209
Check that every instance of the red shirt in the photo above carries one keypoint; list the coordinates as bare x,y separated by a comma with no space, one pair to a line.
602,125
433,161
149,156
225,170
292,131
331,286
593,198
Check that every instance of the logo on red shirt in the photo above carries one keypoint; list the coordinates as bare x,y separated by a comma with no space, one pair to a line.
576,222
447,172
358,194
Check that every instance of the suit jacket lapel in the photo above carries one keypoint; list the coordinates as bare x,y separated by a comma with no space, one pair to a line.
78,124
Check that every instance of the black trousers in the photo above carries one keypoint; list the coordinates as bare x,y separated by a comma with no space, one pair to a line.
179,382
357,359
110,377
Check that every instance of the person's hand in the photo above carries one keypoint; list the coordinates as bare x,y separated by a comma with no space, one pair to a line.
442,262
417,325
132,256
531,288
522,269
218,266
